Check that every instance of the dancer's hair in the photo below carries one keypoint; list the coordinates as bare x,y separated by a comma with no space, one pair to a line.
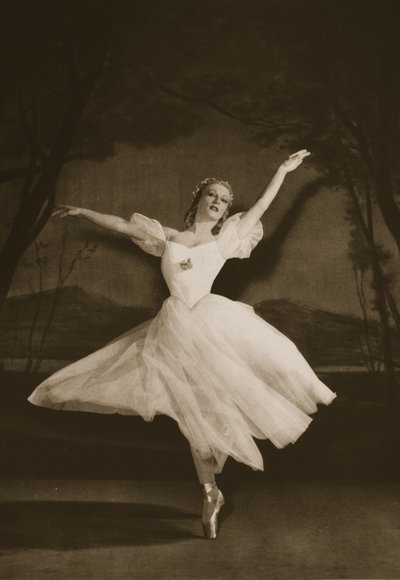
197,193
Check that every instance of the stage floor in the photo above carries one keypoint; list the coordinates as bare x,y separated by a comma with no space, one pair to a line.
102,530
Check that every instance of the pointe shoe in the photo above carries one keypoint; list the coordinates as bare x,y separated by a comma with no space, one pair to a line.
211,508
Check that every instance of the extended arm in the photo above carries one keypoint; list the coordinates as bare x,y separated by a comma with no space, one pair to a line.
251,217
109,222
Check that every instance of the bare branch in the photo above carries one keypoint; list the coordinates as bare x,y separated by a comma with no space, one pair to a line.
393,307
43,217
20,172
354,130
362,300
257,122
352,188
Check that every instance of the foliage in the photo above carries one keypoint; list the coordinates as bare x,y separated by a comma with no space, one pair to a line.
35,264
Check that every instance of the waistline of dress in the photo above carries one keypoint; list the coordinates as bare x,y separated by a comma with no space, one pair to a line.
189,306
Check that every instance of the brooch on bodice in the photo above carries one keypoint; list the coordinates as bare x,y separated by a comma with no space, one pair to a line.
186,264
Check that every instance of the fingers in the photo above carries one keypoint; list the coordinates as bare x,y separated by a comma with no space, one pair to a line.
58,212
62,210
300,154
295,159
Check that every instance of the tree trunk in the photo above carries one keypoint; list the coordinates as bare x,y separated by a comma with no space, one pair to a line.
388,359
35,208
387,133
367,228
385,197
382,305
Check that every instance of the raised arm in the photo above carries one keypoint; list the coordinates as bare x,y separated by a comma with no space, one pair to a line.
109,222
251,217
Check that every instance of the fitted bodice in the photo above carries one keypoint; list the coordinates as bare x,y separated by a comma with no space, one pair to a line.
190,272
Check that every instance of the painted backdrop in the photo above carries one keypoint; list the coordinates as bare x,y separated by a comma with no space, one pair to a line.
123,107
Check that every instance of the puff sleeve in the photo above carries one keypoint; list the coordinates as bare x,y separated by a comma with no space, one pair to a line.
229,243
155,237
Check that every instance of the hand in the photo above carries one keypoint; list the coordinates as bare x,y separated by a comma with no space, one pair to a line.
67,210
294,160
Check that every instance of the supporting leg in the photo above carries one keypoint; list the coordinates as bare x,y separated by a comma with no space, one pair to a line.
205,468
213,499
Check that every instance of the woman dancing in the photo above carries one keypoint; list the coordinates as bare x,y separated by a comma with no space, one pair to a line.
223,373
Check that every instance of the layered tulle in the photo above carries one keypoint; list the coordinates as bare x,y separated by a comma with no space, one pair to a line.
223,373
211,364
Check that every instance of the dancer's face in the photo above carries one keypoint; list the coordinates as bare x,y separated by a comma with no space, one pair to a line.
214,202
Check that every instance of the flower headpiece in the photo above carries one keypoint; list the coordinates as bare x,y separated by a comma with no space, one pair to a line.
209,181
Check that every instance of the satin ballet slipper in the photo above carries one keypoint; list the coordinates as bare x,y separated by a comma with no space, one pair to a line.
211,508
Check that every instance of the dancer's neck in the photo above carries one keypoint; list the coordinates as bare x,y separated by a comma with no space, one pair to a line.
202,227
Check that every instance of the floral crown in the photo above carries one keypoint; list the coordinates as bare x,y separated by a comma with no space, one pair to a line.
209,181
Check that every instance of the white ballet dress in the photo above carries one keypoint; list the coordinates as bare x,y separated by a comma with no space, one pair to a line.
214,366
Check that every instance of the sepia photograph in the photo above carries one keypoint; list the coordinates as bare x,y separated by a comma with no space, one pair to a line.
199,290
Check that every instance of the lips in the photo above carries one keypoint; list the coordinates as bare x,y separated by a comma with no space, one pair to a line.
214,208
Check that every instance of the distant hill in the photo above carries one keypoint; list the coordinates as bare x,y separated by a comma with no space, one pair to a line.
85,322
82,323
325,338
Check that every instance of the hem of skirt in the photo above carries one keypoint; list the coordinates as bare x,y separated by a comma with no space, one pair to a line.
93,408
106,410
328,401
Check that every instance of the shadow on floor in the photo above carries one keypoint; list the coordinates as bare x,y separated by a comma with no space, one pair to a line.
72,525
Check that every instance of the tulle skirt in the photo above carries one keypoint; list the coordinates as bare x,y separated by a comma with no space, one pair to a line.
219,370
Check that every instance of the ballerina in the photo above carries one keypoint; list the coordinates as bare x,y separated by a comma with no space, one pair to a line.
221,372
